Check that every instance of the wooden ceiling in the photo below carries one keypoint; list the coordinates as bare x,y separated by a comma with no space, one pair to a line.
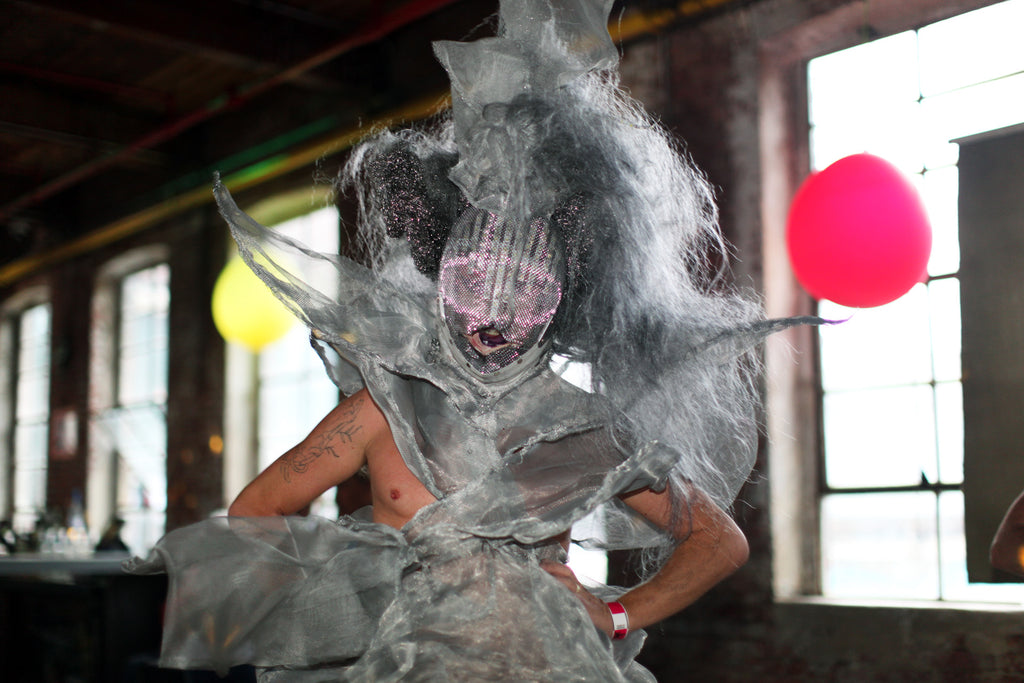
110,106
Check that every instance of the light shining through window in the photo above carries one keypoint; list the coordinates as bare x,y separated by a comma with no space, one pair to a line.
892,513
31,416
294,391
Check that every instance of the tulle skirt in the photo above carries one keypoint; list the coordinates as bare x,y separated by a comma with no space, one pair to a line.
307,600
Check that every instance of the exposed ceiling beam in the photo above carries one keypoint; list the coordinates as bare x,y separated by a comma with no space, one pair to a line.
373,30
66,111
226,32
145,96
65,139
80,12
259,173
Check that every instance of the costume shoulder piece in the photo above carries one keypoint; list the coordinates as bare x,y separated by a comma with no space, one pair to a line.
372,319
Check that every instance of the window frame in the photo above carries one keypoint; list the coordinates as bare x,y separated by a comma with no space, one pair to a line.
11,311
242,367
102,472
934,501
793,411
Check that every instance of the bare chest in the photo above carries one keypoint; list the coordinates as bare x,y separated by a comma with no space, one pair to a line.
397,494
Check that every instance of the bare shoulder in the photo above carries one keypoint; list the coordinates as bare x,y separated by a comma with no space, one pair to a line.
355,420
332,453
359,408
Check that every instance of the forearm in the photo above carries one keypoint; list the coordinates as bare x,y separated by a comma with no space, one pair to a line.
697,565
710,548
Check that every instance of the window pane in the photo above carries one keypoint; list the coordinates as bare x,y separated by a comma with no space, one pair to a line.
33,376
944,302
864,99
31,417
879,545
972,48
294,394
33,395
949,412
294,390
893,134
141,438
940,191
34,339
862,80
30,466
877,346
880,437
137,427
141,434
142,347
979,108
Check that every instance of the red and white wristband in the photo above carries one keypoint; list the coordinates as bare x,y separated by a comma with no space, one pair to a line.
620,620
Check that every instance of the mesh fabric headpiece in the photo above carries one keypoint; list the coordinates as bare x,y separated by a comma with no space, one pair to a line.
502,274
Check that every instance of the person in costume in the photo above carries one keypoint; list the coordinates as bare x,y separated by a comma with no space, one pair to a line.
546,214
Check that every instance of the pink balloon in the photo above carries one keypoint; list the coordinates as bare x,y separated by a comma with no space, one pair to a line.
858,233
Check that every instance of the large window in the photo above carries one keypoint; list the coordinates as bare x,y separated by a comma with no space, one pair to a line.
127,476
276,397
892,508
26,378
294,390
140,412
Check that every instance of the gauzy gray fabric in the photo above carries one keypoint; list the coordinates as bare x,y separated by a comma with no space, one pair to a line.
545,44
457,594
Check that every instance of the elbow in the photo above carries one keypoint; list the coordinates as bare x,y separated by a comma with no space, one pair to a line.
733,548
737,549
255,500
1006,556
238,509
247,506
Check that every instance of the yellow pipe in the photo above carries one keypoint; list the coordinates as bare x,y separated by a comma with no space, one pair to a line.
634,25
138,221
630,27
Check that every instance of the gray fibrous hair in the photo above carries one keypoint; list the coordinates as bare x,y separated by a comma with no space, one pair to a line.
647,302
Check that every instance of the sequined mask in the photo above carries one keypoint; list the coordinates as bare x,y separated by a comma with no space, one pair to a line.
499,286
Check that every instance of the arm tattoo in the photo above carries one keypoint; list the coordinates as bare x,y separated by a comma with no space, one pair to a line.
343,431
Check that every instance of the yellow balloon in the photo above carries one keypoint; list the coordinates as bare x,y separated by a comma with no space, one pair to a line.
244,309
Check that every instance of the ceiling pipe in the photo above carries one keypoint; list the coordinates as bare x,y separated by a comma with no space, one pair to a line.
370,32
247,177
143,95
